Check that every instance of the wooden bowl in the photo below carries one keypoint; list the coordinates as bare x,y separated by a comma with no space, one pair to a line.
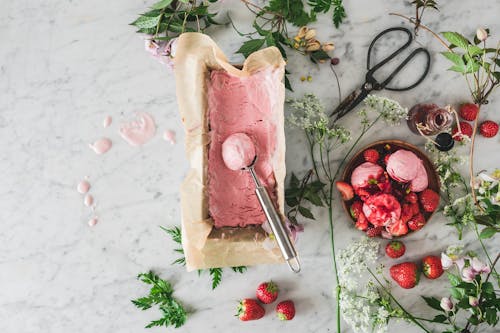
394,145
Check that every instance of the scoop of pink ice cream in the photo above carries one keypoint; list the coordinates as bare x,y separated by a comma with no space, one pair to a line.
403,165
238,151
382,209
364,172
421,181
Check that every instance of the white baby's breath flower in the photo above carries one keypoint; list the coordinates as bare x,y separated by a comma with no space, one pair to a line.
390,111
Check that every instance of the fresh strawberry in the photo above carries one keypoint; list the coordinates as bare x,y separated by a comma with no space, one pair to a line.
363,193
395,249
488,128
285,310
416,222
356,208
405,274
345,190
466,129
398,228
267,292
371,155
250,309
468,111
406,212
374,231
432,267
386,158
429,200
411,197
362,222
415,208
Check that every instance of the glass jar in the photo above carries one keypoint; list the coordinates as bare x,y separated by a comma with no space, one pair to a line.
429,119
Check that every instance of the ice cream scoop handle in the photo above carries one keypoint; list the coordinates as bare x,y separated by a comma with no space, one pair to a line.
278,229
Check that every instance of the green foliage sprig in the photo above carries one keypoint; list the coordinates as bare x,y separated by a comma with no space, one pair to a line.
300,190
169,18
476,60
324,6
215,273
161,294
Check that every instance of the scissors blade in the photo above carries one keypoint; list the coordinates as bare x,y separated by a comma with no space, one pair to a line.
349,103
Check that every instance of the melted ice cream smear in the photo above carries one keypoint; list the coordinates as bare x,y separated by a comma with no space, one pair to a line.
83,187
138,132
101,146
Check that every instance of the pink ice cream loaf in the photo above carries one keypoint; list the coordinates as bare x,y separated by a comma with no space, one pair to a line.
241,105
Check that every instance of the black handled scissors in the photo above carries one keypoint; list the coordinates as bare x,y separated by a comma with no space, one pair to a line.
351,101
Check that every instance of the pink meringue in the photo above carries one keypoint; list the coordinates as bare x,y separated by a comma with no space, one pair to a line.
363,173
403,165
238,151
421,181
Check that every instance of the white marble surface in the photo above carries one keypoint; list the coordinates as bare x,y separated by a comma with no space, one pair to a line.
65,65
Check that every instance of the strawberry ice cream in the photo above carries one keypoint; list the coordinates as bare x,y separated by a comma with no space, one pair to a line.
403,165
238,151
382,209
363,173
241,105
421,181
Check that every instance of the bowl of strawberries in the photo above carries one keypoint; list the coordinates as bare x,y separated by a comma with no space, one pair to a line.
389,189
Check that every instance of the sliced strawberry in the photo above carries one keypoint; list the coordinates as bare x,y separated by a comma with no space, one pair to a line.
416,222
356,208
345,190
362,222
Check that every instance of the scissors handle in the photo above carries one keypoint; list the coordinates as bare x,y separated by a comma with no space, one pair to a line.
403,64
392,55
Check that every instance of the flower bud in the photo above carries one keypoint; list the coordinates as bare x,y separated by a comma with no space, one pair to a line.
446,304
473,301
310,34
481,34
468,274
328,47
302,32
478,266
313,45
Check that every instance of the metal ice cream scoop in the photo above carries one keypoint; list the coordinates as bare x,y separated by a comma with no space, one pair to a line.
242,146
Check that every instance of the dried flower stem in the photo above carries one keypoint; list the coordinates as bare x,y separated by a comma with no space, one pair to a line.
420,25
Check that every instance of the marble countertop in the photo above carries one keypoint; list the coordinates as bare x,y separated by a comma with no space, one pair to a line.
64,66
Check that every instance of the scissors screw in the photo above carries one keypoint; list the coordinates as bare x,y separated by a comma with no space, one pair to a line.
368,86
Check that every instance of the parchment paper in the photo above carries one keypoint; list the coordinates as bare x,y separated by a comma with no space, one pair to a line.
205,246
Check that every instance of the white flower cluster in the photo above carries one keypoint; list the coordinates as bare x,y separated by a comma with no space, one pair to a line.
361,308
390,111
488,188
309,114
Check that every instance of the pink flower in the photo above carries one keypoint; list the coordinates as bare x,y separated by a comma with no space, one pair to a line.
473,301
163,51
481,34
479,267
468,274
446,304
446,261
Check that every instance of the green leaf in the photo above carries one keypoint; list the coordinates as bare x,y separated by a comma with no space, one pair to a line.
318,55
306,212
473,320
291,201
456,39
250,46
433,302
144,22
458,69
239,269
440,319
454,279
496,75
457,293
294,181
474,50
270,40
472,67
287,83
487,233
491,316
488,288
162,4
454,57
313,198
216,275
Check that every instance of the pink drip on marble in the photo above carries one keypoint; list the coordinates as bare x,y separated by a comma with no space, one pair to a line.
107,121
138,132
101,146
